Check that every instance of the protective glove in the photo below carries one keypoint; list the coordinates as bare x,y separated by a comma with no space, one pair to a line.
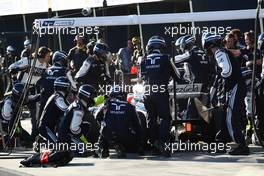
83,139
99,100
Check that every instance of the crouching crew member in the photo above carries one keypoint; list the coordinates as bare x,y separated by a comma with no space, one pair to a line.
120,126
73,127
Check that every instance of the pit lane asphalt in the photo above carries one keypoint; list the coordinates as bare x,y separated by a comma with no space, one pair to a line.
181,163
